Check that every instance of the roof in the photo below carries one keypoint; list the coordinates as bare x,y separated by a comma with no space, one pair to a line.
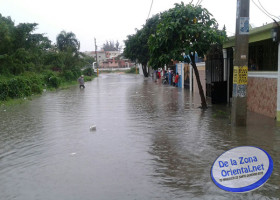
255,35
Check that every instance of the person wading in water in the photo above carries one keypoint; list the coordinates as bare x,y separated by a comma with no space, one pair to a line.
81,81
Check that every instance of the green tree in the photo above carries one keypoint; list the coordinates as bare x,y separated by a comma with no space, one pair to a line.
69,46
20,49
67,42
136,46
184,29
22,34
6,34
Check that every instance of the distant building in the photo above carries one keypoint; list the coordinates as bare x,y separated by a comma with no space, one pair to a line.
110,59
112,54
101,55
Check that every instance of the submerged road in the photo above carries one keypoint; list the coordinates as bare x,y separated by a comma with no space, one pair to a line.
151,142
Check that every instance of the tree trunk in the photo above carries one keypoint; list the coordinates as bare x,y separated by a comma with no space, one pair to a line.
144,68
201,92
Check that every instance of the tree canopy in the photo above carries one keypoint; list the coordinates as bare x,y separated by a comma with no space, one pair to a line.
136,46
67,42
111,46
182,30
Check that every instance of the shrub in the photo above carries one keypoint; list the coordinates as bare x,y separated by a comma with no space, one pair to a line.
68,75
4,90
36,89
89,71
18,87
13,90
54,81
47,75
76,72
88,78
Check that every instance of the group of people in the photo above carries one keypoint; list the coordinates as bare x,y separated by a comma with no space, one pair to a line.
168,77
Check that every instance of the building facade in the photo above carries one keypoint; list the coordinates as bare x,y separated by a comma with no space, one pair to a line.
263,66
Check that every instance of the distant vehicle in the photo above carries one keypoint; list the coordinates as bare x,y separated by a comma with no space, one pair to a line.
94,66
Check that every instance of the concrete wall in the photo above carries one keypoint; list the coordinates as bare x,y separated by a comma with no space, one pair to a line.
262,94
261,91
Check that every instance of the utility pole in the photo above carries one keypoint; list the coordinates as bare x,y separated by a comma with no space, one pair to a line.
96,55
240,63
276,38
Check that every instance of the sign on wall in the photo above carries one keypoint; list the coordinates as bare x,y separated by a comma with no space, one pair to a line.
244,26
240,81
240,75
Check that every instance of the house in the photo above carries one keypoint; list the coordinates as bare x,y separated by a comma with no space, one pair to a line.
101,55
112,54
109,63
110,59
263,69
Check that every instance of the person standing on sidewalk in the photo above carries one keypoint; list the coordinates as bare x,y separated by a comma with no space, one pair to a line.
176,80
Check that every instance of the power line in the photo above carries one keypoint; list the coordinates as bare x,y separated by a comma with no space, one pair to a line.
150,9
267,11
198,2
263,11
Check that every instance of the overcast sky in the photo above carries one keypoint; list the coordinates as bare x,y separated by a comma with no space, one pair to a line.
115,19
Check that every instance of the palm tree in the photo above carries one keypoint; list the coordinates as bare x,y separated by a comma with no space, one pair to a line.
67,42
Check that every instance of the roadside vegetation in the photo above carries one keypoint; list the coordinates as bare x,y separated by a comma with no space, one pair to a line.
30,63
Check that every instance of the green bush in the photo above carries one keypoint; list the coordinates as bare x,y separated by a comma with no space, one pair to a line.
18,87
88,78
68,75
14,89
89,71
36,89
76,72
47,75
54,81
38,80
17,69
4,90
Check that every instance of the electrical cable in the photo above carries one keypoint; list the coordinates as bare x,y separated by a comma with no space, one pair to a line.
267,11
150,9
263,11
198,2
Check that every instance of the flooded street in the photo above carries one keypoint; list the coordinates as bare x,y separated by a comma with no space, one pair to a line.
151,142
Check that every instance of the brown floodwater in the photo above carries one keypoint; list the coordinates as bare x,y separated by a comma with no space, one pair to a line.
151,142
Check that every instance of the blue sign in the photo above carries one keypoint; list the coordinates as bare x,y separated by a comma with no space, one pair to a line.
242,169
244,25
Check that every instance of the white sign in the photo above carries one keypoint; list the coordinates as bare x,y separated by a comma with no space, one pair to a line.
244,25
242,169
